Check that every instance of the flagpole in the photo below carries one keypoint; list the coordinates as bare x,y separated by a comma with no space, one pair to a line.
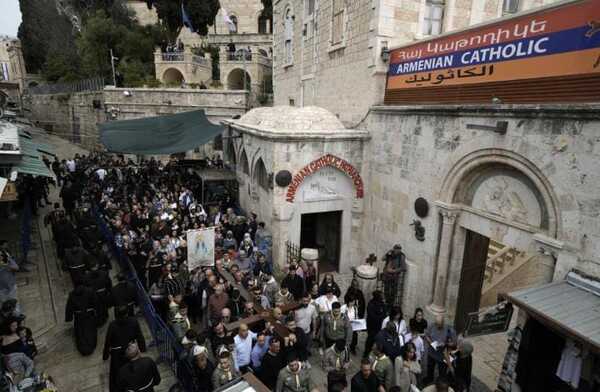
112,63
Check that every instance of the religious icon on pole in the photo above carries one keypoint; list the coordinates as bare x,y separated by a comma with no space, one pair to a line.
201,248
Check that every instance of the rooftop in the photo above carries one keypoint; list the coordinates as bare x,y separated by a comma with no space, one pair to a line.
289,118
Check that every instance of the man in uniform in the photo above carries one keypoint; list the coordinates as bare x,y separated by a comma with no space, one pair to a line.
295,378
382,366
335,362
335,326
139,374
224,372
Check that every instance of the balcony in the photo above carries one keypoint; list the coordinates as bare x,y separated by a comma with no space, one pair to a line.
241,57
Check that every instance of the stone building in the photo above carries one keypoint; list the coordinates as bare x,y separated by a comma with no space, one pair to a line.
327,53
249,68
12,68
484,198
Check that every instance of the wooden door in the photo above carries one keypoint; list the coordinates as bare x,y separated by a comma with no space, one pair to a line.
471,277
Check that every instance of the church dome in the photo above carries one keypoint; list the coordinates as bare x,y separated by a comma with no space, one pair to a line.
289,119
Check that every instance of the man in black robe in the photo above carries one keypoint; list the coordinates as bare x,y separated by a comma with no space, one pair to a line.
81,309
121,332
139,374
77,262
99,281
124,294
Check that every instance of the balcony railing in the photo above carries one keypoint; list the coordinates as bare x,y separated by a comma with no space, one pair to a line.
182,57
248,58
179,56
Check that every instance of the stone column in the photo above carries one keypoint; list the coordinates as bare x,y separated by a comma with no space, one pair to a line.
449,216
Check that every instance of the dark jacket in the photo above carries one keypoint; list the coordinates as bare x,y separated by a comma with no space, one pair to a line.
376,313
359,384
390,343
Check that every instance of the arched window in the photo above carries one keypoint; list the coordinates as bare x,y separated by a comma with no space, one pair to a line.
288,37
231,153
244,163
261,177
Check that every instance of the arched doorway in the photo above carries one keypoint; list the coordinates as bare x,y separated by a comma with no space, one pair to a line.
496,207
173,76
237,79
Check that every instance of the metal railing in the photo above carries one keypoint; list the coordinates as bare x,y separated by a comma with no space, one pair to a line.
169,349
93,84
177,56
199,60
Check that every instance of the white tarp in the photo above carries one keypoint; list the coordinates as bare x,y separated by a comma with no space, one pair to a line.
201,248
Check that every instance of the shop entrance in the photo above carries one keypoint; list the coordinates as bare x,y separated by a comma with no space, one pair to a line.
322,231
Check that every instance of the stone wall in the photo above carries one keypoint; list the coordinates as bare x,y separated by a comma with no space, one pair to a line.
349,78
428,152
71,116
64,114
148,102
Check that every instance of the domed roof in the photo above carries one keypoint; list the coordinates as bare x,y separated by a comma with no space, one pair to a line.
289,118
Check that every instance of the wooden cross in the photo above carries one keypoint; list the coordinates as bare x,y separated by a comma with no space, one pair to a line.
262,314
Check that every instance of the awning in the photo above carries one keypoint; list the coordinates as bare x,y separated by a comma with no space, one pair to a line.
572,306
33,166
159,135
31,161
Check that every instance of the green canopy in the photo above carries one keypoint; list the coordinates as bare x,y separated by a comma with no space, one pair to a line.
159,135
31,162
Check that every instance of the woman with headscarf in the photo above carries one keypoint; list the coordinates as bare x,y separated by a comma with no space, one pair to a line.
329,283
229,241
460,366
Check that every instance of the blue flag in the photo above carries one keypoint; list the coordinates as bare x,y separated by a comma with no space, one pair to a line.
186,19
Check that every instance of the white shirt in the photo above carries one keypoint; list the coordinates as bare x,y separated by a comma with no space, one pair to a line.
243,349
71,165
305,316
400,328
324,304
101,173
418,342
350,311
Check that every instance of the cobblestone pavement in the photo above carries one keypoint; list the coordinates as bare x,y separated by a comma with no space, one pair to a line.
43,293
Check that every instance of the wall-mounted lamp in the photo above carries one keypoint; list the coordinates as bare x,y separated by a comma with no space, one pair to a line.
500,128
385,52
127,93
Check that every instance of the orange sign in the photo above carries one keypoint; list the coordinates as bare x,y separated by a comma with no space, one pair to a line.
556,42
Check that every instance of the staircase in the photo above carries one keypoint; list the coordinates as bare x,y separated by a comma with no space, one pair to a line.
502,262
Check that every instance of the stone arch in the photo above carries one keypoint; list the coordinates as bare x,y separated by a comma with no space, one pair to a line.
261,177
173,76
244,162
474,166
236,80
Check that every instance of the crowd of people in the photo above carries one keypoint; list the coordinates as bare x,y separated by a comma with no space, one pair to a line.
239,315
